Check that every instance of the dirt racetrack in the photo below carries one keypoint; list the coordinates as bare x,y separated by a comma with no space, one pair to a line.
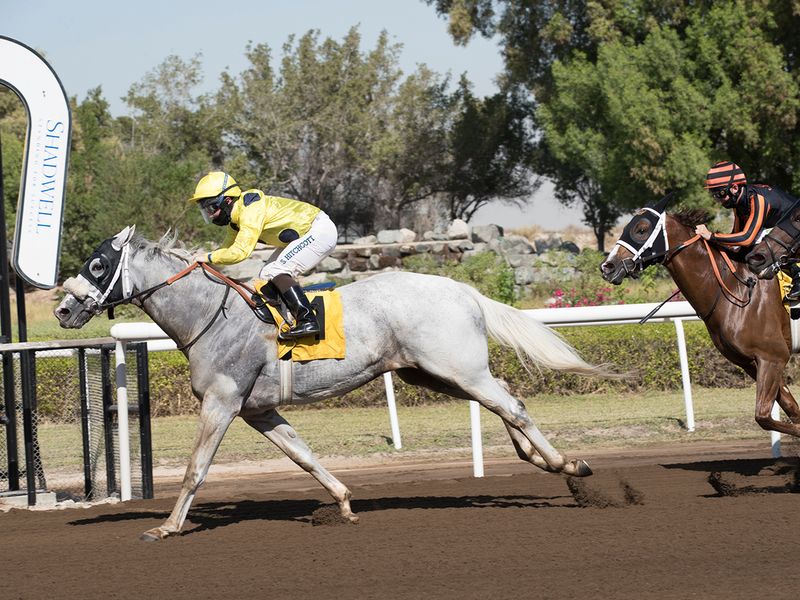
429,530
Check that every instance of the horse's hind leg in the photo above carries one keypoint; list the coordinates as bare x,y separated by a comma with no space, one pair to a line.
277,430
788,403
525,449
530,443
769,388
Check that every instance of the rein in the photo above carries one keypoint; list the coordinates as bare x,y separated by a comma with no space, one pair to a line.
723,288
244,291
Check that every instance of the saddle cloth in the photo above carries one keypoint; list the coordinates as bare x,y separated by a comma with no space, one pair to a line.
328,307
785,284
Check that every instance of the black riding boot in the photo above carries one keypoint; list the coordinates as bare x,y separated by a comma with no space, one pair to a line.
794,293
305,321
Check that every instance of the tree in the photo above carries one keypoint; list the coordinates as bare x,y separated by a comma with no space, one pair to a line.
633,98
491,145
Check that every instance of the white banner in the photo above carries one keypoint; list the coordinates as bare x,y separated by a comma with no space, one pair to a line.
40,210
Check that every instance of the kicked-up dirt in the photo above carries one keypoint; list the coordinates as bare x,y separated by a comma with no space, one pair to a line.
697,521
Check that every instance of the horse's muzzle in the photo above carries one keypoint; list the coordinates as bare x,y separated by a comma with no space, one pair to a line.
74,314
613,272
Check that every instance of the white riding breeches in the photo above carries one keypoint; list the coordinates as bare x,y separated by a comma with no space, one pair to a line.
304,253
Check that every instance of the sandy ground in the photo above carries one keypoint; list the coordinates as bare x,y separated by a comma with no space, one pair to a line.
699,520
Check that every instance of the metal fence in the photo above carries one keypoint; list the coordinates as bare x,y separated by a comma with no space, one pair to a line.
62,434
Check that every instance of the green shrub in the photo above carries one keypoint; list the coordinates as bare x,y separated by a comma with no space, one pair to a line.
648,353
487,272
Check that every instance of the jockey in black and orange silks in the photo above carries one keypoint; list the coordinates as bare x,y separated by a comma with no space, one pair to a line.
757,208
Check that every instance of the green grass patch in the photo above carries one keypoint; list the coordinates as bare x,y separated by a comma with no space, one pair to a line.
570,422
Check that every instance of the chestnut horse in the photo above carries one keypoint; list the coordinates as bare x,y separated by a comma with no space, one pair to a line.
744,316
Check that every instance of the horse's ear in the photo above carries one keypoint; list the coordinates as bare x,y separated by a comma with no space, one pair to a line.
662,204
123,237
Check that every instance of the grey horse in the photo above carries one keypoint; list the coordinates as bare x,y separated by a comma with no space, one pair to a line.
430,330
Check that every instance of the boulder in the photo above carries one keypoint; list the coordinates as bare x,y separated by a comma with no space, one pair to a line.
434,236
367,240
524,275
396,236
329,265
486,233
570,247
515,244
458,230
548,242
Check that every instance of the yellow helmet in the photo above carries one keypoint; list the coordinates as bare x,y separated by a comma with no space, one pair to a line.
215,185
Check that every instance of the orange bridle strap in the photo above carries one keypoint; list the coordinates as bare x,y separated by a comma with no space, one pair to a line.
718,275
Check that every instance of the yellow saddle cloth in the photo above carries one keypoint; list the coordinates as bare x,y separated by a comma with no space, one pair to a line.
785,285
332,344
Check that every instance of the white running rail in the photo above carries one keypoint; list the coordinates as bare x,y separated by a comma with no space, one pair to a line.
671,312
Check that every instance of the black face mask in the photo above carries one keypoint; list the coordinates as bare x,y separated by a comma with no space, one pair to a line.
99,270
224,216
644,236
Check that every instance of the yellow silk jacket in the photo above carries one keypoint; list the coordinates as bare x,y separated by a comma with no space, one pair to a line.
273,220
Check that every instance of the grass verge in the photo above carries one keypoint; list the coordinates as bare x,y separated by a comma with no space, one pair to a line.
569,422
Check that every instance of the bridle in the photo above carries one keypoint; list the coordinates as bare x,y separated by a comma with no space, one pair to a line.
121,284
644,256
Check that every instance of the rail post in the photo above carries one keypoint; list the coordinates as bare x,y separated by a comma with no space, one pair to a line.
145,433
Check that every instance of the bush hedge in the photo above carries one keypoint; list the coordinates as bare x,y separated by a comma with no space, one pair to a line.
649,353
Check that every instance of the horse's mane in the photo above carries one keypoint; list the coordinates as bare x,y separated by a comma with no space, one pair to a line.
167,247
692,217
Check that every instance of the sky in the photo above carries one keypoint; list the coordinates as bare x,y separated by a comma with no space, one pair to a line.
92,43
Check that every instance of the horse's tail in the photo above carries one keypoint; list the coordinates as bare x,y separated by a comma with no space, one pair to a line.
535,343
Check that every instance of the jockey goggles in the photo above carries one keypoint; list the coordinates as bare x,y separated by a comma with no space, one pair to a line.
210,207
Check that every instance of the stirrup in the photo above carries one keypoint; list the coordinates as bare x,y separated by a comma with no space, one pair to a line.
300,330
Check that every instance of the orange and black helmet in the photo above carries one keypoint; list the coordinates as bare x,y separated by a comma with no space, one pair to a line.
724,174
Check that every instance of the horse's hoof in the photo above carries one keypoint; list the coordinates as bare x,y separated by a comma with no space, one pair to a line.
153,535
352,518
577,468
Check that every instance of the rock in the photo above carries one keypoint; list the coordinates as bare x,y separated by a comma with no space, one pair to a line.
396,236
486,233
478,248
549,242
393,251
458,230
329,265
570,247
434,236
363,252
465,245
313,278
358,264
521,260
374,262
388,262
524,275
516,244
407,236
243,271
422,248
367,240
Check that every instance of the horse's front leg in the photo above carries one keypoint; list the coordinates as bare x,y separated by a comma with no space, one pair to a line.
769,388
277,430
215,418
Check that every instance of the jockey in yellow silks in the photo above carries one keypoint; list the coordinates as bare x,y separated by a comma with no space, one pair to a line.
302,234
